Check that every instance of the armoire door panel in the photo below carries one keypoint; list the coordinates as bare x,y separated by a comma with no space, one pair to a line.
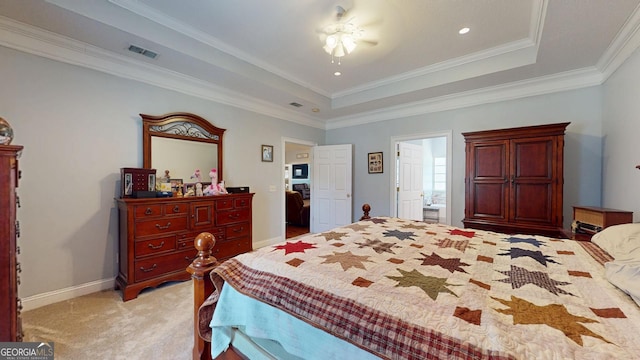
485,204
490,161
534,203
533,158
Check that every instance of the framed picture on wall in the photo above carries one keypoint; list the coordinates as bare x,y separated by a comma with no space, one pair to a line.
267,153
375,162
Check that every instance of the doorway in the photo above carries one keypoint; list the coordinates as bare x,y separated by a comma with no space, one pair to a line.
421,176
298,164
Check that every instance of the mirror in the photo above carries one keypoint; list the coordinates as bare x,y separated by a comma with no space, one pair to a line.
181,143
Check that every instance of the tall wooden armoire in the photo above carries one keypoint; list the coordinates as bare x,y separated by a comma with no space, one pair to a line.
514,179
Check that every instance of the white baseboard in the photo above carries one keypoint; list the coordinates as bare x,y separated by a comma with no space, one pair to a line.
267,242
36,301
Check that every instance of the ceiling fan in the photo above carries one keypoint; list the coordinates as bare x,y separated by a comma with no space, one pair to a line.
341,37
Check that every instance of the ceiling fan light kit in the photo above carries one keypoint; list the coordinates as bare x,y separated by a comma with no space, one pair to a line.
341,37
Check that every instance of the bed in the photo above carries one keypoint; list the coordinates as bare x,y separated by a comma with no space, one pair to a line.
399,289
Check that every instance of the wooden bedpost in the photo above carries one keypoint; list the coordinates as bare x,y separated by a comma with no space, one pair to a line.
366,208
200,269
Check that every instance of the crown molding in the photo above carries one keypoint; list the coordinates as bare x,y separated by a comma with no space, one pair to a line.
33,40
499,58
515,54
625,43
149,13
570,80
36,41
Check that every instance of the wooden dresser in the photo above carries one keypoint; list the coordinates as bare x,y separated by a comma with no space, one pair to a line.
10,304
514,179
156,236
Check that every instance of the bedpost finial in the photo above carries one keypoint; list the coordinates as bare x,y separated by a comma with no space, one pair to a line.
366,208
204,243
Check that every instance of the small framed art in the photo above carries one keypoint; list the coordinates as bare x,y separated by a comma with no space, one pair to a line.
375,162
267,153
175,183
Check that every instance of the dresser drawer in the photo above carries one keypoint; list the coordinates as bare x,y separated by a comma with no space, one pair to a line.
155,246
160,265
176,209
143,211
232,216
243,202
231,248
186,240
224,204
237,230
160,226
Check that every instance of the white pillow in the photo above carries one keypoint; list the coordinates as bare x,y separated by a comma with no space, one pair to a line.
624,274
620,241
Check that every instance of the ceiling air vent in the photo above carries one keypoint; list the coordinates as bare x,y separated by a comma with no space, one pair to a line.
295,104
138,50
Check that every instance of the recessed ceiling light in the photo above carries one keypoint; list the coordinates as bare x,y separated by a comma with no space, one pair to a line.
463,31
337,73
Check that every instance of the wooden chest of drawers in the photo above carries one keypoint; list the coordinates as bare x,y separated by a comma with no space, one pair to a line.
10,303
156,236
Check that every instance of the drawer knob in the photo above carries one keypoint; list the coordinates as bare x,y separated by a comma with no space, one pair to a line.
149,269
176,209
163,227
156,247
149,211
234,216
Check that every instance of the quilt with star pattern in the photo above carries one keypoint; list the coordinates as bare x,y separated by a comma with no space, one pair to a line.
404,289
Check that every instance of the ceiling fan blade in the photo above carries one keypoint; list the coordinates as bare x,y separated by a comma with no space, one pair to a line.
368,42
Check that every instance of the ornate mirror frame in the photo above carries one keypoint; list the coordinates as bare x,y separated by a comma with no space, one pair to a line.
181,126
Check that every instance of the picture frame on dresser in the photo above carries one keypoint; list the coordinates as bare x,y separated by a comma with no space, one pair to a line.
127,184
175,183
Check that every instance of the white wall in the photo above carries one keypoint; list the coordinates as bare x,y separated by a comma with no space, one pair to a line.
79,127
582,145
621,131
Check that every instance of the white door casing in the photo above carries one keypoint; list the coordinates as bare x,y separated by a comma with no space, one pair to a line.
331,187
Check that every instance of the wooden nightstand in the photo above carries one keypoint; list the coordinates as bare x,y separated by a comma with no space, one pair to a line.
597,216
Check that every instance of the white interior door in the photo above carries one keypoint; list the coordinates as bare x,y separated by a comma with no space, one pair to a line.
410,187
331,196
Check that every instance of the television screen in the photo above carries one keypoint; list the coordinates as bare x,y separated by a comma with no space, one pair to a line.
300,171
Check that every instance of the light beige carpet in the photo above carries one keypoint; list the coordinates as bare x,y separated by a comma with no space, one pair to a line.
156,325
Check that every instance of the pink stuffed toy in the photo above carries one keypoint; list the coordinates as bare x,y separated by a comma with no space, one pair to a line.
196,175
215,188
